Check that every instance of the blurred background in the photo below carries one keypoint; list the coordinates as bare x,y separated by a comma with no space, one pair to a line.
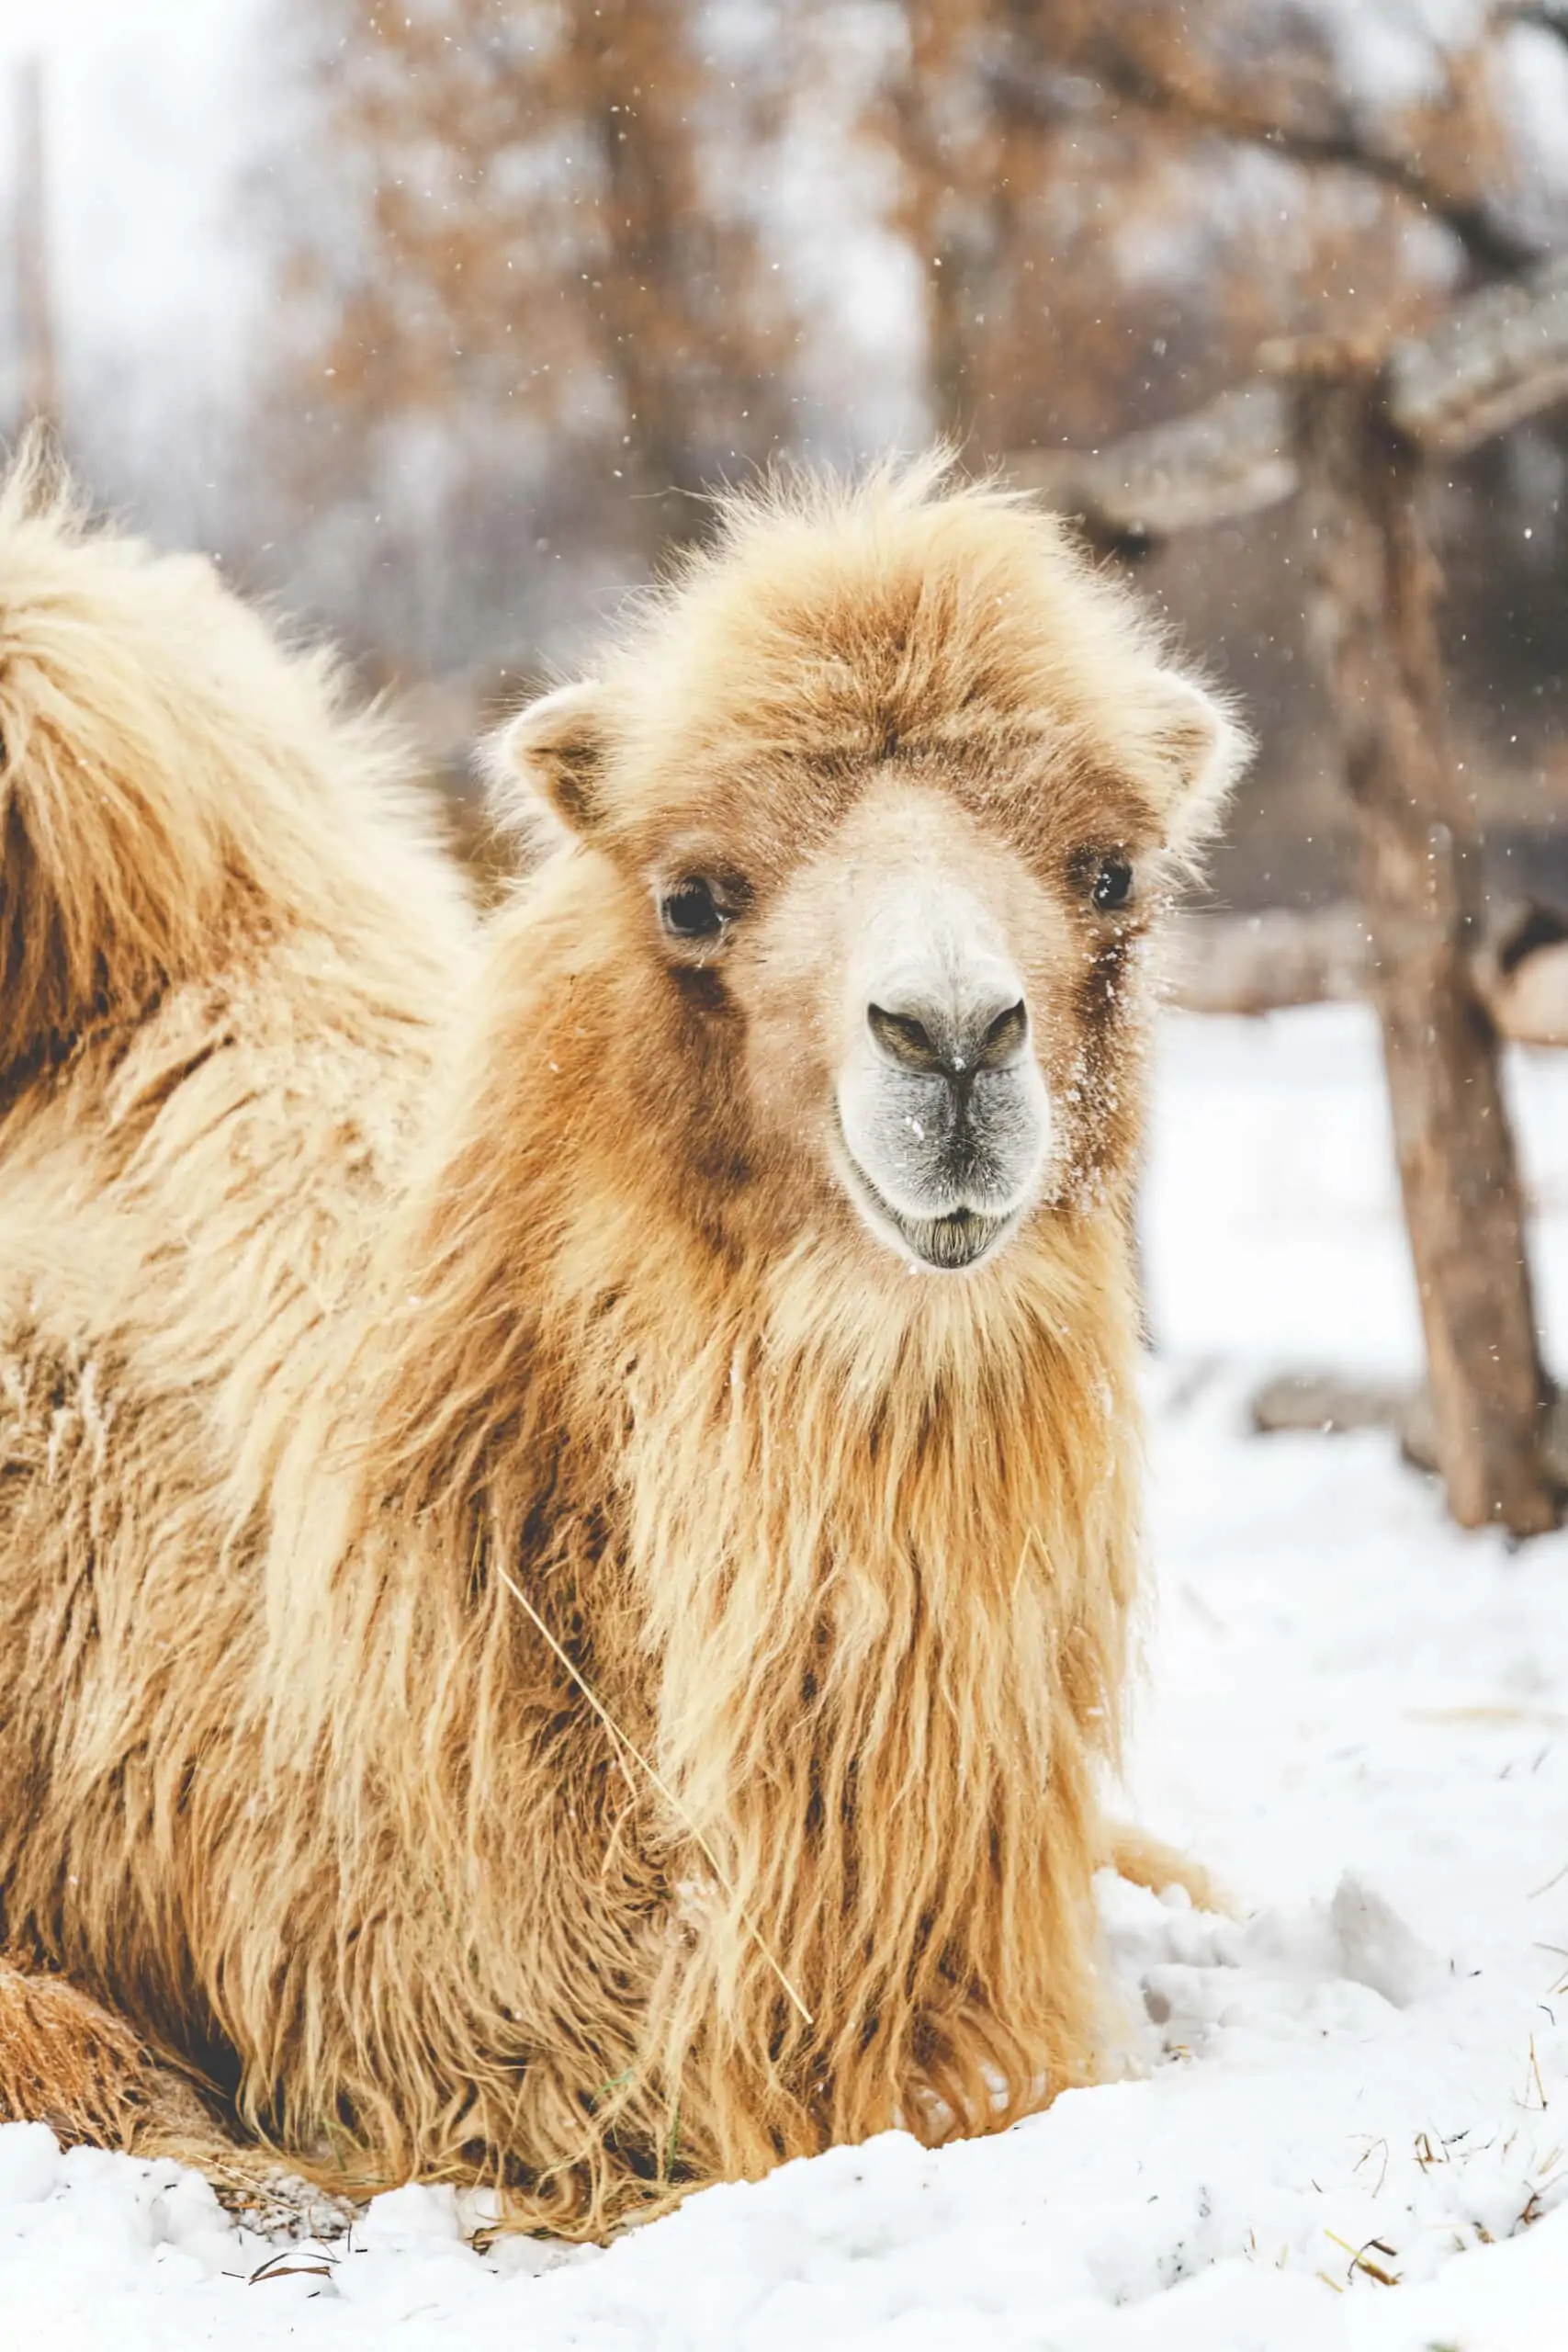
432,318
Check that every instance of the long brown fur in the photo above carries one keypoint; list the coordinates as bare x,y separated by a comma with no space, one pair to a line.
532,1647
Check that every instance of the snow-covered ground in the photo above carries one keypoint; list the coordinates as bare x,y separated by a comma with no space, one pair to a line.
1356,1716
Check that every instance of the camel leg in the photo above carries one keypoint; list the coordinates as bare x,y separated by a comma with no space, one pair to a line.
1144,1861
68,2061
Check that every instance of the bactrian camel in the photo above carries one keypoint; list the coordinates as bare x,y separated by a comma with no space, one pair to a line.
570,1481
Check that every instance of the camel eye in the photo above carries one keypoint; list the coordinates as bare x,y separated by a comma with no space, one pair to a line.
690,910
1112,885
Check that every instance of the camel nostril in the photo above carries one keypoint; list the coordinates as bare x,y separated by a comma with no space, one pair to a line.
903,1039
952,1046
1004,1040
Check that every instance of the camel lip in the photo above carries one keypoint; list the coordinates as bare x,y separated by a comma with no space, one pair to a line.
953,1243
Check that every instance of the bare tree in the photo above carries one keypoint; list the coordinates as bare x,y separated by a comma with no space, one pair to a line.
1043,152
1267,77
518,216
1351,429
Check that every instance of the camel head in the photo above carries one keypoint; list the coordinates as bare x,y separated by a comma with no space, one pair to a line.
893,786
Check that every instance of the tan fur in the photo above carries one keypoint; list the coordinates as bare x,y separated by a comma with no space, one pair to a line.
66,2061
408,1330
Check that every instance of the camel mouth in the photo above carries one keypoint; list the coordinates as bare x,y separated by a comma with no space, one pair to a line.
951,1243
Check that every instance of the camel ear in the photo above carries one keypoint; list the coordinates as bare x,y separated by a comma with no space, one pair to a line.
1202,747
552,753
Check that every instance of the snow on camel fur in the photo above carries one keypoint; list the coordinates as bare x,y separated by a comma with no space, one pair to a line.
535,1646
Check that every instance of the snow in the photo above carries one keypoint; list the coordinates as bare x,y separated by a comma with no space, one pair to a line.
1353,1714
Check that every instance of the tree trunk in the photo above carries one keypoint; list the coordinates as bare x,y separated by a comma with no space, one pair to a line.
34,309
1376,636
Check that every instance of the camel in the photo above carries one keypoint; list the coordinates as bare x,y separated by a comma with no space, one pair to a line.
569,1479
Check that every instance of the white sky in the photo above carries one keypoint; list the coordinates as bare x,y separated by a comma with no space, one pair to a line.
152,113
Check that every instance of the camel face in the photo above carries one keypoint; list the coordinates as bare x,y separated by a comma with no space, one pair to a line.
894,790
906,996
943,1123
943,1116
899,993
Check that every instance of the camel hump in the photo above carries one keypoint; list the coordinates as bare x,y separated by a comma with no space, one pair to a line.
174,775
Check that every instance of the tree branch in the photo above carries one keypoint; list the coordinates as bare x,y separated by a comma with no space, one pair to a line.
1491,361
1229,458
1546,16
1265,962
1495,245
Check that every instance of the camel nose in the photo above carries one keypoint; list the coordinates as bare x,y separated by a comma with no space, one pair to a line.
945,1041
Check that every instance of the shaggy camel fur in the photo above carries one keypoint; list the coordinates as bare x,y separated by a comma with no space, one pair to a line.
535,1644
